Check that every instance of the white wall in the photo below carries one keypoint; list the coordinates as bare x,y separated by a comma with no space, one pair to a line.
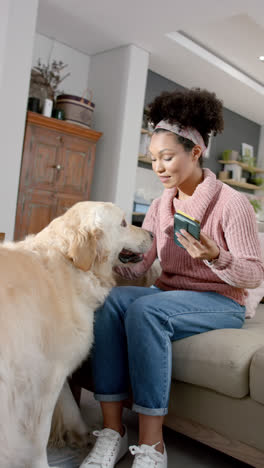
17,29
4,12
78,63
17,20
118,78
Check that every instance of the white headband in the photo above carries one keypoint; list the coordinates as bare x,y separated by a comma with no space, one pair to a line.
186,132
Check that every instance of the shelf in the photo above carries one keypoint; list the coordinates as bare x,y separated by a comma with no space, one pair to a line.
145,131
244,185
143,158
244,166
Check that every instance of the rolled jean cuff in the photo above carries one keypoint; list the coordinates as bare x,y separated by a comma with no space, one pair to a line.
150,411
115,397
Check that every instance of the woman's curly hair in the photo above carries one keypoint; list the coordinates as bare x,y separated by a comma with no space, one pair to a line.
197,108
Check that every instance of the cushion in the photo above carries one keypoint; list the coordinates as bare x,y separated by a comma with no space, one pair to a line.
253,299
220,359
257,376
255,295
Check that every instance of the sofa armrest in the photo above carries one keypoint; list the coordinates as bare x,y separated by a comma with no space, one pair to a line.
256,376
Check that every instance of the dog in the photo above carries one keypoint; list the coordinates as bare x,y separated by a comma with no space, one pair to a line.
68,427
50,285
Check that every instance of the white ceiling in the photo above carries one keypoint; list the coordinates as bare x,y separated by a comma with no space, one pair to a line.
231,29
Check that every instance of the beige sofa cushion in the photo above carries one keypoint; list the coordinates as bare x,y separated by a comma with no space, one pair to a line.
220,359
239,420
256,382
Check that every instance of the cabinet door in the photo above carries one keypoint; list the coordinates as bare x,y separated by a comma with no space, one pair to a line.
35,210
42,154
62,202
76,166
56,172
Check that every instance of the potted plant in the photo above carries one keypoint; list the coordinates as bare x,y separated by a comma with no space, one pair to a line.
226,155
256,205
46,78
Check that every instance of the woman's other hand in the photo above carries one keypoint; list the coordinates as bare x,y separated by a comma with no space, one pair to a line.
204,249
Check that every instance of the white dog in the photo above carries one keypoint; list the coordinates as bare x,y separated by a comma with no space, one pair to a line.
50,286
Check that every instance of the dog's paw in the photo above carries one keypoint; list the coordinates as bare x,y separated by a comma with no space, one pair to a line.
57,441
74,439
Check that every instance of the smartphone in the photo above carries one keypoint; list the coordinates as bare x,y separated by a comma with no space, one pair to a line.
184,221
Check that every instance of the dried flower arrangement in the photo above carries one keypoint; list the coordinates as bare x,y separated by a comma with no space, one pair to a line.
48,77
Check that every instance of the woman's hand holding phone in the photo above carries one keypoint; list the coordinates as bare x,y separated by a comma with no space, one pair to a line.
204,249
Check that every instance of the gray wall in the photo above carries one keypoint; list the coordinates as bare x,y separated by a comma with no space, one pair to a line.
237,129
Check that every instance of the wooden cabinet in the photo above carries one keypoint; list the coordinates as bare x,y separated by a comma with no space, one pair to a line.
56,171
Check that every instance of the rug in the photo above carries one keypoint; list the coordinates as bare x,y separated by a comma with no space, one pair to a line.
67,457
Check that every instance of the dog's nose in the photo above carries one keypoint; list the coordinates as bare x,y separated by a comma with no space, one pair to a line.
151,235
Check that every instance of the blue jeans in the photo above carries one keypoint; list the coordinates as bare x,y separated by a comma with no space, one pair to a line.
133,333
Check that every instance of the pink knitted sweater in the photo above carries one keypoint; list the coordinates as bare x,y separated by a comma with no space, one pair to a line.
227,217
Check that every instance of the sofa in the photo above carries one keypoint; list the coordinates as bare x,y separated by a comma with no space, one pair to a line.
217,388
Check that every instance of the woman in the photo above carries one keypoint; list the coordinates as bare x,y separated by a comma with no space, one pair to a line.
201,287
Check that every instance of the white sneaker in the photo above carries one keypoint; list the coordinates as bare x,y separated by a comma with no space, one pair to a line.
147,457
109,448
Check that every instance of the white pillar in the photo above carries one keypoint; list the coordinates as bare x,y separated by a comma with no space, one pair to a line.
118,80
17,30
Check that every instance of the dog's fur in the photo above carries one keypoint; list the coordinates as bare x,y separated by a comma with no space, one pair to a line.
68,427
50,286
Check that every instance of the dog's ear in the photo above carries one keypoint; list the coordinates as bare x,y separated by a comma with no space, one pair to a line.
83,249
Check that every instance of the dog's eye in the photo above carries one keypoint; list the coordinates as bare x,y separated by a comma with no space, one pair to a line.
124,223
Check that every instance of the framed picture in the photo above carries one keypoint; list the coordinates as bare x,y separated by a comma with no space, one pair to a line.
248,154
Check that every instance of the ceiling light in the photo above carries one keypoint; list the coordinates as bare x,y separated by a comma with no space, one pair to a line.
261,57
202,52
